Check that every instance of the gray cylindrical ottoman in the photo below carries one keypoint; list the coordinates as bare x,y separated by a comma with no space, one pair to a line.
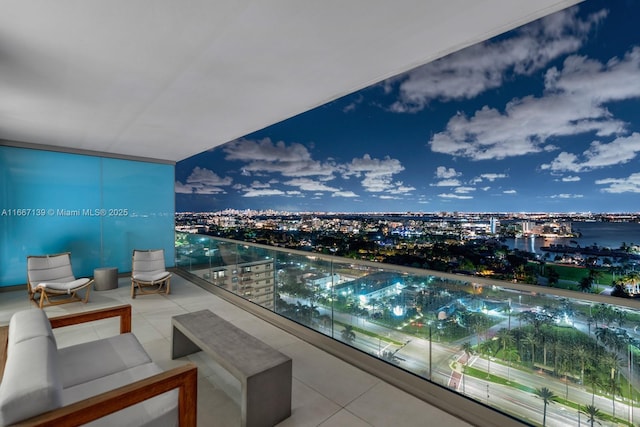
105,278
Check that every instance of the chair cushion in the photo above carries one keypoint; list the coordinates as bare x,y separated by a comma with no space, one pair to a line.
27,324
50,268
151,276
161,410
68,287
96,359
31,383
148,261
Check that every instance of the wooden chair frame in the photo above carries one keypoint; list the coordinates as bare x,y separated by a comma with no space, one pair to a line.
183,378
158,286
49,296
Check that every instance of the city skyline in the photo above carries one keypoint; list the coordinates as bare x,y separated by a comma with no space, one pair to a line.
538,119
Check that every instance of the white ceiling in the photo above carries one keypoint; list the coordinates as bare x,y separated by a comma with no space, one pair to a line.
168,79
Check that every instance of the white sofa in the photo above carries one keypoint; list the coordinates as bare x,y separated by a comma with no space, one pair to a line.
41,380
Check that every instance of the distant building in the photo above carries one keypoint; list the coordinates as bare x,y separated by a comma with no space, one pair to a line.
546,229
252,280
632,288
323,281
372,286
493,225
245,274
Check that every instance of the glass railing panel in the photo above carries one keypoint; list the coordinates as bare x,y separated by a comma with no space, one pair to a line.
300,279
501,344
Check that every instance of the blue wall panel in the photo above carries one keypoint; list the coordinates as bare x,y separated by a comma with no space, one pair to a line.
97,208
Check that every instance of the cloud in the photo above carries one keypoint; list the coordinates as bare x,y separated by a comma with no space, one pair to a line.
203,181
464,190
573,103
264,156
454,196
493,176
353,104
570,178
258,184
443,173
510,192
348,194
598,155
401,188
183,189
447,183
377,174
488,177
263,192
631,184
260,189
471,71
295,161
307,184
566,196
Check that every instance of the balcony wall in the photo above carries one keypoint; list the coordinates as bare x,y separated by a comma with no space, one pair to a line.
98,208
450,340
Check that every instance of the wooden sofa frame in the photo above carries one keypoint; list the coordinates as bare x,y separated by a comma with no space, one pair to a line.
183,378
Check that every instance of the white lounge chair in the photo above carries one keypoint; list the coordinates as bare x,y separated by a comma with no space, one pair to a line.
50,280
148,272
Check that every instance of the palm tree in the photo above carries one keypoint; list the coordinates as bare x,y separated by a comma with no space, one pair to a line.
585,284
606,337
548,338
526,316
505,339
467,348
594,275
581,353
613,363
324,320
348,335
508,310
592,412
547,397
510,355
487,348
530,338
468,351
593,378
621,316
604,312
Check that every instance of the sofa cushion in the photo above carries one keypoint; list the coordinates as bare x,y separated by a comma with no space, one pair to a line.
96,359
27,324
30,384
161,410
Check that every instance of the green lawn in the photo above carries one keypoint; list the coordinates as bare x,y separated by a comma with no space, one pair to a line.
575,274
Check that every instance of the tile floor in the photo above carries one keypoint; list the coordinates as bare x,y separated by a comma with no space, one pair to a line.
327,392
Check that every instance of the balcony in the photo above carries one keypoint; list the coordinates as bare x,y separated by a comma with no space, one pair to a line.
481,349
326,390
380,345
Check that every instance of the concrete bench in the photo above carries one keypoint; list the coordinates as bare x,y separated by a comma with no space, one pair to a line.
264,373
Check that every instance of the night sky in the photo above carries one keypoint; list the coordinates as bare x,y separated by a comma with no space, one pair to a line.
543,118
